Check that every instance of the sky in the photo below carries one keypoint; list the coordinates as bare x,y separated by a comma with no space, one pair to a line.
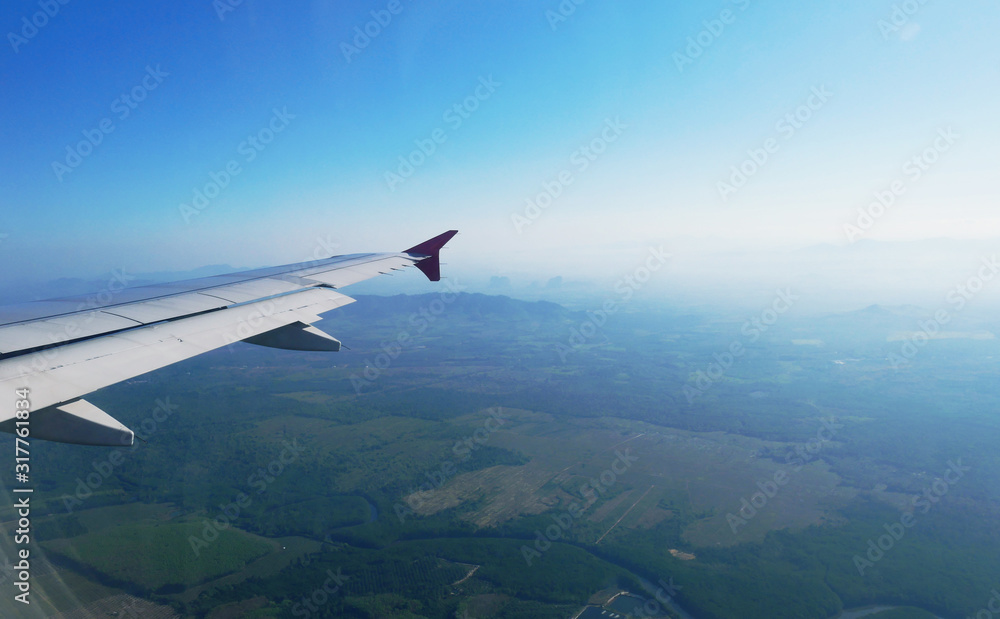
560,138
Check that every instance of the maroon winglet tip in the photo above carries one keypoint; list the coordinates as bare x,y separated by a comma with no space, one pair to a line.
432,246
431,265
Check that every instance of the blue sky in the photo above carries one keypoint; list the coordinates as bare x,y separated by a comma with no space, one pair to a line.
685,117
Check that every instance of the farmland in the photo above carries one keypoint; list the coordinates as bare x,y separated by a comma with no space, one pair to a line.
479,473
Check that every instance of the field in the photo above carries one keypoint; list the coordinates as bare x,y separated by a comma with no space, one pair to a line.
480,473
156,558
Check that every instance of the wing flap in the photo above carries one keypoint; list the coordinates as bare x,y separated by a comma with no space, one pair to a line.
66,348
148,312
173,301
78,422
64,374
34,325
351,274
39,333
297,336
245,292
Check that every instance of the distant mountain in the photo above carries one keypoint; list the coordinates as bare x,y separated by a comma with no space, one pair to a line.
875,325
70,286
474,306
173,276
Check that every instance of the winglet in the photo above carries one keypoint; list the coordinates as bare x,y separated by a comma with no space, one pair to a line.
431,265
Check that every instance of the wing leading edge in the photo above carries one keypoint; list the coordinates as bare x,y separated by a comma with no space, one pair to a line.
61,350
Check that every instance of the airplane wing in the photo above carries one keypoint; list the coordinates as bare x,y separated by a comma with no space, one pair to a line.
60,350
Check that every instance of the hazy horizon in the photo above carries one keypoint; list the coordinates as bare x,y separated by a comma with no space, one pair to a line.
930,274
557,144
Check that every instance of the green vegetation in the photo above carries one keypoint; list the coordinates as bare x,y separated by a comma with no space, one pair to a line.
426,508
159,558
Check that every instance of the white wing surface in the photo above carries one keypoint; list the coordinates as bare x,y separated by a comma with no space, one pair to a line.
63,349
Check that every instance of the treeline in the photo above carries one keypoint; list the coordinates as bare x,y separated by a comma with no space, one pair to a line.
423,572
